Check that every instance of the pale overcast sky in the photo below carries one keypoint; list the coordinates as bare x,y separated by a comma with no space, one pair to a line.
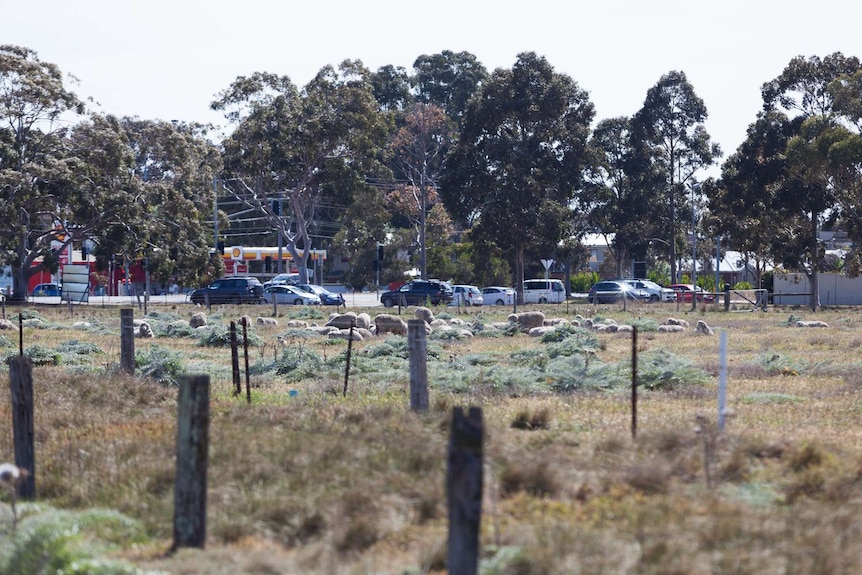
167,59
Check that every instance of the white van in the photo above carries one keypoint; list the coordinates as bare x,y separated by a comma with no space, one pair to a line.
544,291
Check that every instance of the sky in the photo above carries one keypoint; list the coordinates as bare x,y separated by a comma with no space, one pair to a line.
160,59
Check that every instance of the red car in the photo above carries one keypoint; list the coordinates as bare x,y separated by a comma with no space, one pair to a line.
684,291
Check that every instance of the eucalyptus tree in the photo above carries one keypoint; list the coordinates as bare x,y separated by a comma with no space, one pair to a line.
741,207
619,189
671,124
175,164
519,158
391,87
297,146
417,150
802,92
448,80
844,161
35,108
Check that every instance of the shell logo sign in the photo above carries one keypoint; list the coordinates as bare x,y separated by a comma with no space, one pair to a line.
236,253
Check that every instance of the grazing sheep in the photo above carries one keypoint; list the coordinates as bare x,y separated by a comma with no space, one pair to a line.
349,334
675,321
624,327
76,325
363,321
438,323
670,328
6,324
541,330
424,313
245,321
703,329
322,329
144,331
605,327
813,323
343,321
556,321
298,324
456,321
265,321
388,323
197,320
527,320
465,333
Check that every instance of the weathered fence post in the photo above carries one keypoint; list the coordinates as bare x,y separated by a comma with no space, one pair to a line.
234,360
349,352
418,357
634,383
21,386
245,351
464,490
190,487
127,340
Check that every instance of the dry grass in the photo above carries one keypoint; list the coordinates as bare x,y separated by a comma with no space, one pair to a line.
313,482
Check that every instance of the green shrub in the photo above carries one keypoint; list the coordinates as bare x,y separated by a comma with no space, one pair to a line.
582,282
219,336
161,364
743,285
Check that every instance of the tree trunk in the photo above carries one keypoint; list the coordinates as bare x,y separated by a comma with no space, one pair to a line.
815,261
519,273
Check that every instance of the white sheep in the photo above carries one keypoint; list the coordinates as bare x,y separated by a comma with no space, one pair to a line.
675,321
703,329
197,320
670,328
388,323
266,321
813,323
527,320
424,313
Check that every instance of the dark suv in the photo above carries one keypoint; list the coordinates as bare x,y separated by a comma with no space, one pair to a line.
230,290
418,292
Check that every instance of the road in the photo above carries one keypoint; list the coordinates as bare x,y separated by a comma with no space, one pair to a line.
350,299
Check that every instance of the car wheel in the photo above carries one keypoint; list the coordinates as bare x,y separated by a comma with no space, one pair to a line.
500,302
297,302
543,300
653,297
235,300
388,303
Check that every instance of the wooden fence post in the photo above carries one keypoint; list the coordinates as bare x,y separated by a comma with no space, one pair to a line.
418,357
190,487
234,360
21,386
635,383
349,352
464,490
127,340
245,351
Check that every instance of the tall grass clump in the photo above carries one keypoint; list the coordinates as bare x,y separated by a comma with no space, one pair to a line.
160,364
68,543
664,370
219,336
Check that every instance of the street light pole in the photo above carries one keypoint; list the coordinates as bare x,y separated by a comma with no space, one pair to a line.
694,249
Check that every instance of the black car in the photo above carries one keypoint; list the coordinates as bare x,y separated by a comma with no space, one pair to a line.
419,292
230,290
611,291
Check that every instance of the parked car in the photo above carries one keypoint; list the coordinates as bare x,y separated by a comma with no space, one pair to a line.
496,295
47,290
466,295
290,279
229,290
656,292
418,292
289,295
613,291
544,291
326,297
684,293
